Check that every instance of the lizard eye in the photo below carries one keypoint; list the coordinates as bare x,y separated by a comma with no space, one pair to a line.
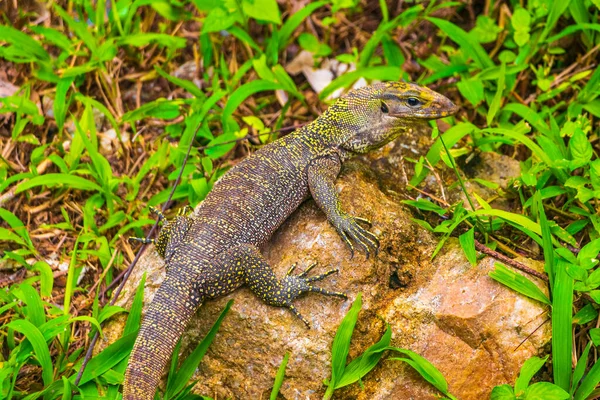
384,108
413,102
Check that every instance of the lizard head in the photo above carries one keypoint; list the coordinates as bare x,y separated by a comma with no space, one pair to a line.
377,114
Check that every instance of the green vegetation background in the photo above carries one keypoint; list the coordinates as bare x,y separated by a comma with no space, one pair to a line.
91,75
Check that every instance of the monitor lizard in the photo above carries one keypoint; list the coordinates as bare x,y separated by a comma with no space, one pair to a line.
215,250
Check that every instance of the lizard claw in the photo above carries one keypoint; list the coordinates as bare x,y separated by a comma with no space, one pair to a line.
348,227
295,285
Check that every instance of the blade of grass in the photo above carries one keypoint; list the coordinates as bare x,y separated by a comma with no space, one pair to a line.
518,282
279,377
40,348
363,364
562,339
465,41
341,345
190,364
589,383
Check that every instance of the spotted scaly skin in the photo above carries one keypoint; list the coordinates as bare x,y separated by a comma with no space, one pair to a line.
216,250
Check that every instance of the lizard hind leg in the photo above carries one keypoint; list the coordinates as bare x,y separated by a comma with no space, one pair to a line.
246,261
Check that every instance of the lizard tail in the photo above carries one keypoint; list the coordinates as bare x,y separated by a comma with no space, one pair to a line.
173,306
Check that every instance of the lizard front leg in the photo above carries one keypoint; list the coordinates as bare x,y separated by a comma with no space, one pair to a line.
322,173
244,264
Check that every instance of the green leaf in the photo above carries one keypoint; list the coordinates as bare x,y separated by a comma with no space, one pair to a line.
528,370
46,277
472,90
485,30
425,205
384,73
581,364
60,102
557,8
562,339
245,91
279,377
450,138
521,20
518,283
470,47
587,314
545,391
183,83
190,364
87,318
35,308
262,10
430,373
160,108
144,39
53,180
40,348
108,358
503,392
364,363
311,43
589,383
28,48
135,312
295,20
580,148
497,100
341,342
467,242
588,255
547,245
219,19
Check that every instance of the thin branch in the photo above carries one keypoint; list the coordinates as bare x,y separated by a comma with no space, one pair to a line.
515,264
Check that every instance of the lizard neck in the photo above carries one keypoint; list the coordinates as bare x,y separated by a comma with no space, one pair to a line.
330,130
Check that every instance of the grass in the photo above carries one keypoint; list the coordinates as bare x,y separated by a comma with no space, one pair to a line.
98,123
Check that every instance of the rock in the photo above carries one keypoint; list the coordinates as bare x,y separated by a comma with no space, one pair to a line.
475,331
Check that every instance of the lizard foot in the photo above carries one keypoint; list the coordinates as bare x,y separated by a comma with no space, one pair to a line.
295,285
348,227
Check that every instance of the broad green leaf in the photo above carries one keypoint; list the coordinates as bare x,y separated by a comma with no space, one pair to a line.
40,348
467,243
364,363
35,308
580,148
518,283
503,392
562,339
245,91
108,358
528,370
470,47
295,20
472,90
262,10
545,391
384,73
427,370
53,180
341,342
587,314
450,138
